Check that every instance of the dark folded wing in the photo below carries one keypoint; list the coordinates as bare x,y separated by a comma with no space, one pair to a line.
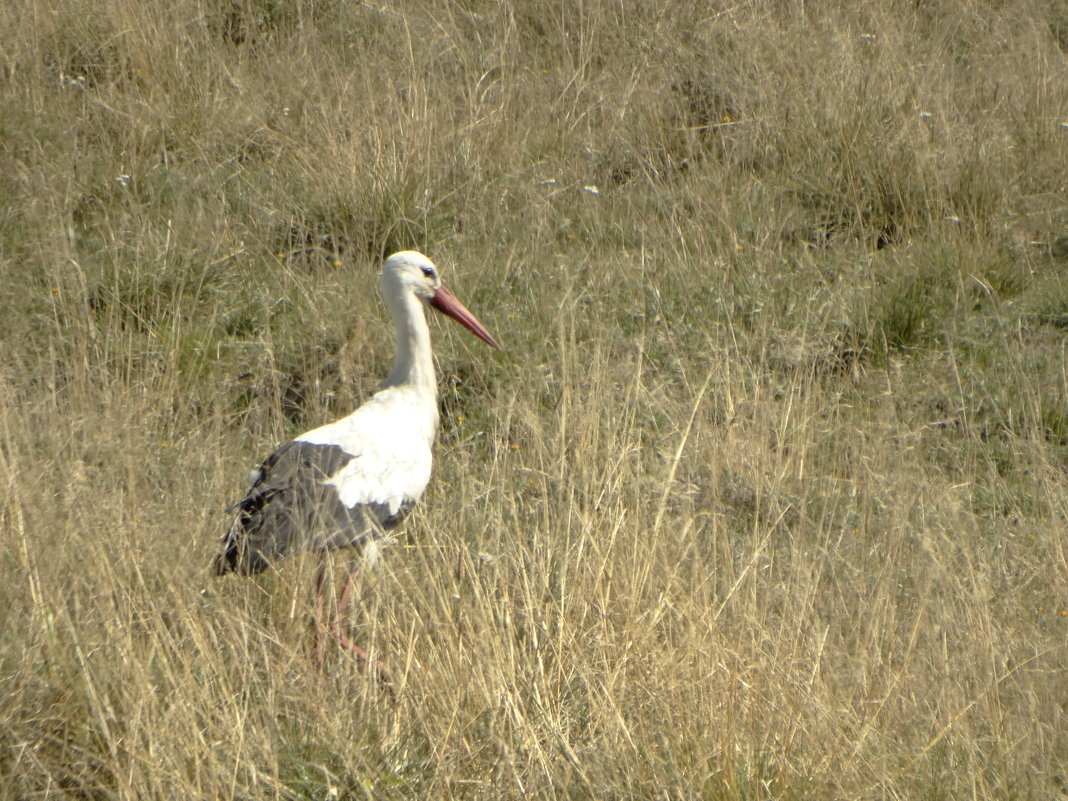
291,507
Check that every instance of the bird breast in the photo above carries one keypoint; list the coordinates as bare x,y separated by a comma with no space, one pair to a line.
390,438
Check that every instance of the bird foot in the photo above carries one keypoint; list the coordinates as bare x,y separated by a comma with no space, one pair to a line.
383,675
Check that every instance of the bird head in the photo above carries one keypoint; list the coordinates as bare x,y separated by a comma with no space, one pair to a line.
411,272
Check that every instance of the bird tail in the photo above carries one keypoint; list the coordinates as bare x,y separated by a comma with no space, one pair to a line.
227,560
237,554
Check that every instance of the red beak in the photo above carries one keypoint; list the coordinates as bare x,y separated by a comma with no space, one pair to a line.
447,303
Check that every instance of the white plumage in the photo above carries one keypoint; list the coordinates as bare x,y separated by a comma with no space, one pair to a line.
392,434
346,482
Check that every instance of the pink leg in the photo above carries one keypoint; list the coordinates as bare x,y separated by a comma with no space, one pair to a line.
382,673
346,591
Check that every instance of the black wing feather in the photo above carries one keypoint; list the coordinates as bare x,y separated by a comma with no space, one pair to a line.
289,508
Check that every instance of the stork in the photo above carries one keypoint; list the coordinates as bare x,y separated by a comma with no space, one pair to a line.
346,483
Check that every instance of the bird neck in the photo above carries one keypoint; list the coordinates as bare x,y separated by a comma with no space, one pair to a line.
414,363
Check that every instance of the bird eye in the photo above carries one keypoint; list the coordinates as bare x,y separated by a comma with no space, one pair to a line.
428,272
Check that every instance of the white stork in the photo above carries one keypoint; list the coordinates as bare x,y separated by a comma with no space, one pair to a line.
345,483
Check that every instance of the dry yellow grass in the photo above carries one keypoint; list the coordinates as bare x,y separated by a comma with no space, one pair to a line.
765,498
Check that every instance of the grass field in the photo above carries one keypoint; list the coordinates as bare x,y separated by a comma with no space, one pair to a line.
765,498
